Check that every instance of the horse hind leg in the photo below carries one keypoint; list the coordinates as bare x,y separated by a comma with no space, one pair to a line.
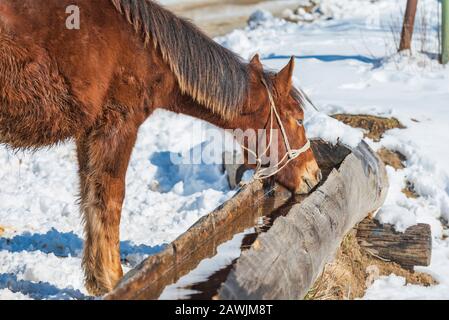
104,155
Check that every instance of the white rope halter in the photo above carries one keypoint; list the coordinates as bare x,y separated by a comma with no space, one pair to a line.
292,154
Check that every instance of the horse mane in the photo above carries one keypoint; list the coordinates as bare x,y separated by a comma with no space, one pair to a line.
211,74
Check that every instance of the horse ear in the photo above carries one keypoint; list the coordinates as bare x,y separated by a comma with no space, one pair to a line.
255,61
284,78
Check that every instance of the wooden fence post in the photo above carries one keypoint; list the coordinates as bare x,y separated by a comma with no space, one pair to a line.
445,32
409,24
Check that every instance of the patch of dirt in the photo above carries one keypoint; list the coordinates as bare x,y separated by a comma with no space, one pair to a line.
393,159
306,12
354,270
374,126
212,16
397,160
445,224
409,191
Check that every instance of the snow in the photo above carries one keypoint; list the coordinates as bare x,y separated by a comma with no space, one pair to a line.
395,287
9,295
319,125
345,63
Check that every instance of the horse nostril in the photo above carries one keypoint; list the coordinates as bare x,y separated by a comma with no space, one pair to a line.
319,175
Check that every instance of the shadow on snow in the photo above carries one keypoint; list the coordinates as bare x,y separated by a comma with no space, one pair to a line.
62,245
40,290
376,62
66,245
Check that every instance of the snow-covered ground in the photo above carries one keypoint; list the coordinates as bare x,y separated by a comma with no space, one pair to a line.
345,62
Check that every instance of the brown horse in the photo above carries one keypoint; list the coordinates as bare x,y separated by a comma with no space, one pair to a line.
97,84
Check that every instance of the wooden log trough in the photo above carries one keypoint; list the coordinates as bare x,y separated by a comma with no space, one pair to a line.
283,242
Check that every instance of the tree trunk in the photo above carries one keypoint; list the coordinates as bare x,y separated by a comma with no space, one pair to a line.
408,249
409,23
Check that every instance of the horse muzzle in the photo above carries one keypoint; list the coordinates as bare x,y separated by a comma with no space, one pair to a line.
309,182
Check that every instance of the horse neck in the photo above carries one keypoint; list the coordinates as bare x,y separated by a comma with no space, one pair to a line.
184,104
172,98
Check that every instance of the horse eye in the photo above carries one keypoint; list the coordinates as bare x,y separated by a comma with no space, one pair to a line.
300,122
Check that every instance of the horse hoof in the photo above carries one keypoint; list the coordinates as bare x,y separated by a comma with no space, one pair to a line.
95,289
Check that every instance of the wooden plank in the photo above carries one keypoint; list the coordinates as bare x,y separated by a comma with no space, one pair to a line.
285,262
408,249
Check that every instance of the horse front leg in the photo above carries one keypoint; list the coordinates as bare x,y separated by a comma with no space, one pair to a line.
103,156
